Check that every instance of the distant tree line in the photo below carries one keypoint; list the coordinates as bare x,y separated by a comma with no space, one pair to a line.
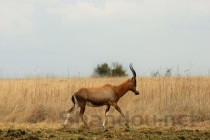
167,73
116,70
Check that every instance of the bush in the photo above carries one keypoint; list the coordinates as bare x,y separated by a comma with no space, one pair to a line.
105,70
118,70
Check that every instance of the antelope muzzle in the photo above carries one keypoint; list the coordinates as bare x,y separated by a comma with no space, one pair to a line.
136,92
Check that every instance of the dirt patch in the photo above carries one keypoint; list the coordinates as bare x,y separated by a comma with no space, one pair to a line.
110,133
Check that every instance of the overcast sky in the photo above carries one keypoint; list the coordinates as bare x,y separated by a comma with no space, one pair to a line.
70,37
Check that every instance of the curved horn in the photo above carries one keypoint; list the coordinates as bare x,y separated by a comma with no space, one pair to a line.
133,71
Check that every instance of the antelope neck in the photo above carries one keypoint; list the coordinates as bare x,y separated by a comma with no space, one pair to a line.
122,89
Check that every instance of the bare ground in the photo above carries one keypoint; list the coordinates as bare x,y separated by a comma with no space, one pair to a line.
50,132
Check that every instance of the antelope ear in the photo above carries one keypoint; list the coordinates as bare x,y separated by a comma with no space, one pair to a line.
132,79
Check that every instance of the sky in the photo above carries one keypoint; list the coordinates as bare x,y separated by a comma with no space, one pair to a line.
70,37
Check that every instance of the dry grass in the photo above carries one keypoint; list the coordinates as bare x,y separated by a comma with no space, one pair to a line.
46,99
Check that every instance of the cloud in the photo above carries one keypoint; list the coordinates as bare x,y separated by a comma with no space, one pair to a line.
16,17
83,10
129,9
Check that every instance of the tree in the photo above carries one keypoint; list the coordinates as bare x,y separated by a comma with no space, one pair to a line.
103,70
155,73
168,72
118,70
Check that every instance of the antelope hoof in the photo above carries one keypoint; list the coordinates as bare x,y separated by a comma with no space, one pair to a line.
64,125
127,125
86,127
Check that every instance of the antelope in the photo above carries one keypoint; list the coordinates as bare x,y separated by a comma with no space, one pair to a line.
107,95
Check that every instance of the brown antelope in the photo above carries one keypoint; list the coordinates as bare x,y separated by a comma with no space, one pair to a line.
107,95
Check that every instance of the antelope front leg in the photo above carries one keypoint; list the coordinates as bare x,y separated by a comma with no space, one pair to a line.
119,110
106,112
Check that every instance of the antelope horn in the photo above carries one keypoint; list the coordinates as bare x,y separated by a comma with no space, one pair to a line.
133,71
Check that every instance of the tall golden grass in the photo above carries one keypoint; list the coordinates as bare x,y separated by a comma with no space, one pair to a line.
46,99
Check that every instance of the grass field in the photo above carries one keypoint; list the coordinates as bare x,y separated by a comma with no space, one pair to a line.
164,103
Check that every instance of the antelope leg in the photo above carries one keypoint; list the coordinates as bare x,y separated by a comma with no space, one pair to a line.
120,111
106,112
68,115
82,110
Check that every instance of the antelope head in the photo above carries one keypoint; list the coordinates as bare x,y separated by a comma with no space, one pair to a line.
132,82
